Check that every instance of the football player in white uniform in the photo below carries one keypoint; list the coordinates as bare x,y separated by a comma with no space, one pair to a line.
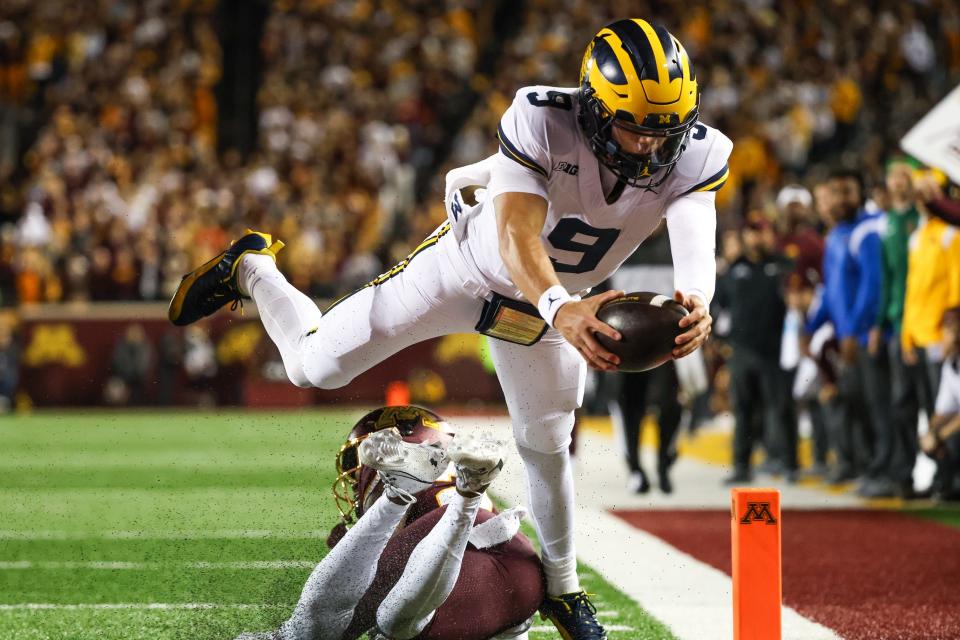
583,175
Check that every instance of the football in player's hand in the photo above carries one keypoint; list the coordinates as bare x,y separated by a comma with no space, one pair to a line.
648,325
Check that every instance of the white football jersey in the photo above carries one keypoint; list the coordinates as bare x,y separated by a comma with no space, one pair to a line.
543,151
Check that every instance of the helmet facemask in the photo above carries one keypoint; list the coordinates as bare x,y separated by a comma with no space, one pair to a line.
357,486
348,477
646,171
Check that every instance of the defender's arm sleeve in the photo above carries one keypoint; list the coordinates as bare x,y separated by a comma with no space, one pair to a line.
692,225
523,163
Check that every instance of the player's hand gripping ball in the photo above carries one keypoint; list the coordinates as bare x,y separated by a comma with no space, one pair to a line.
648,325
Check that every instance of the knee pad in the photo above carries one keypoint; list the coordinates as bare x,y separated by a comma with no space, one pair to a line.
323,369
546,433
324,372
326,377
296,375
299,380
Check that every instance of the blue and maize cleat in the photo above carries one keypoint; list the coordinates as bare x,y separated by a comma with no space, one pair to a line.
574,616
214,283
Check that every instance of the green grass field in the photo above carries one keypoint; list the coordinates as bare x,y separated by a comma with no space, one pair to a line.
177,525
948,515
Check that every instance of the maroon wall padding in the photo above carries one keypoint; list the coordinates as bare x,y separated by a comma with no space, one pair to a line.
868,575
66,361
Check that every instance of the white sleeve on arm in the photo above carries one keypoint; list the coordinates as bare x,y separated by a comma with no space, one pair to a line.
692,226
506,176
523,164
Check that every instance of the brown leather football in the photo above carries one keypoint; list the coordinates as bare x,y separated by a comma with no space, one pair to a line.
648,325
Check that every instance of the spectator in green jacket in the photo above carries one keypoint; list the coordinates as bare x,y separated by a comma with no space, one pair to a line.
894,456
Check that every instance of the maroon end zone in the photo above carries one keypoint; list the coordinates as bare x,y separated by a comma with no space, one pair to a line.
867,575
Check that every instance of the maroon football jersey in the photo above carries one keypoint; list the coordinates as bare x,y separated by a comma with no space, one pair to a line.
498,588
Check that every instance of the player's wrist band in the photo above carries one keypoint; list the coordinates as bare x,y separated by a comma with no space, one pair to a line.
550,302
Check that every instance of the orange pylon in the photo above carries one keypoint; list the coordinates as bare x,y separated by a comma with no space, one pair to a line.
757,581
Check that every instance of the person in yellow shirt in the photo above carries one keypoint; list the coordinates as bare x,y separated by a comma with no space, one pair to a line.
933,286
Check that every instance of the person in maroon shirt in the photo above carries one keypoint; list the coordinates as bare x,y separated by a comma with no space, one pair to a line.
427,557
799,238
802,242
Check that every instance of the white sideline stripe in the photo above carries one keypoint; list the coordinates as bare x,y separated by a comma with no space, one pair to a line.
690,597
199,534
113,565
35,606
671,583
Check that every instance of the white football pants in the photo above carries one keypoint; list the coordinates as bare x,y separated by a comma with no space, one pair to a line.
431,294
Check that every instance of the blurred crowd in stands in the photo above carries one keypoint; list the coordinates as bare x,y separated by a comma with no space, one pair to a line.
115,176
798,86
114,181
125,185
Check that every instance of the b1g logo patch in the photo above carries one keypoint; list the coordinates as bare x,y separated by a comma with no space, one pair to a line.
566,167
758,512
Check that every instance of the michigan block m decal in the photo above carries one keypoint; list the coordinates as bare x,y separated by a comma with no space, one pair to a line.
758,512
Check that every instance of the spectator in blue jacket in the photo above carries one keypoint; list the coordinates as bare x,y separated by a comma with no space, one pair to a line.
853,275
